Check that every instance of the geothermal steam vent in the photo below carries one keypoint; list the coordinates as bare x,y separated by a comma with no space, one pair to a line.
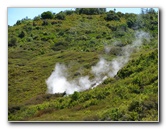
59,83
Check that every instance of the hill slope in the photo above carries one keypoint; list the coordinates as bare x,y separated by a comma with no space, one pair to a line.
78,40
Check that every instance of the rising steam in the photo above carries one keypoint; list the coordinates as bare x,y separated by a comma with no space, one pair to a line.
58,82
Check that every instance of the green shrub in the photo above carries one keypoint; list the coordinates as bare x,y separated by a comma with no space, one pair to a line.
90,11
13,41
60,16
22,34
130,22
112,16
47,15
69,12
75,96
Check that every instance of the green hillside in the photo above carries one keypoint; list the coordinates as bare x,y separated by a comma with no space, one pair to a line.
78,39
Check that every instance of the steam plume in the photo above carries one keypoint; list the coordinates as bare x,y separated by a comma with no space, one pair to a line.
58,82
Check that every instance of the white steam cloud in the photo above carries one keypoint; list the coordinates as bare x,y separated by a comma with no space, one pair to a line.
58,82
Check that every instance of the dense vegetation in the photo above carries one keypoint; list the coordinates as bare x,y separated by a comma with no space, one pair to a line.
77,39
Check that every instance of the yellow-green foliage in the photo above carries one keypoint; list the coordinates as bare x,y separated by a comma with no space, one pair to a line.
78,42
